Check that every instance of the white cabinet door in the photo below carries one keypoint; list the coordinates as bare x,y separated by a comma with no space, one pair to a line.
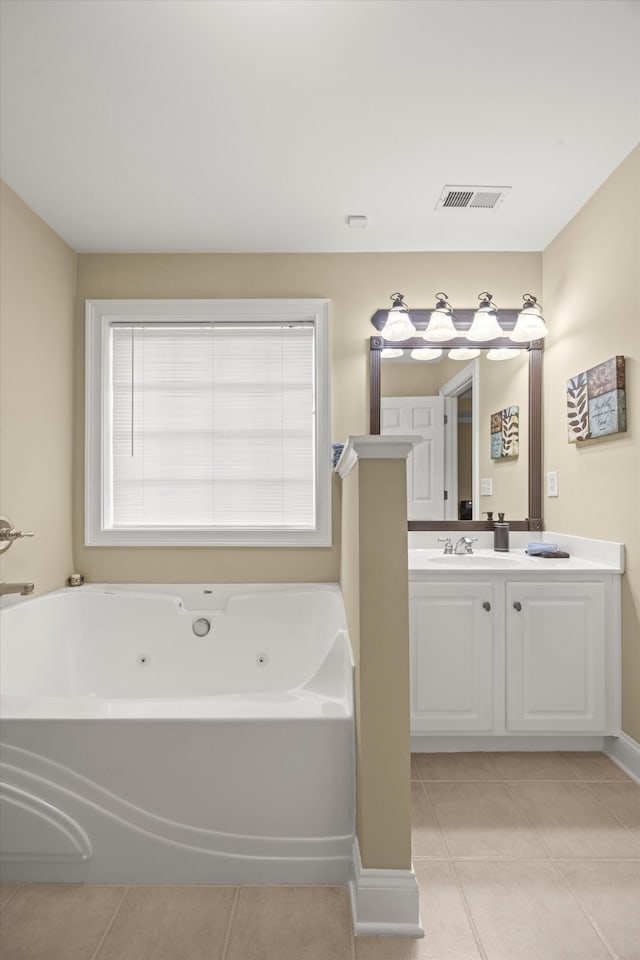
452,627
425,465
556,663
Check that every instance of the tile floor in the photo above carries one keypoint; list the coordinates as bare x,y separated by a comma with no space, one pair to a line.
518,856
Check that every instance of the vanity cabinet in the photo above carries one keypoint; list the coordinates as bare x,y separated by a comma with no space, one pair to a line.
499,655
555,656
452,656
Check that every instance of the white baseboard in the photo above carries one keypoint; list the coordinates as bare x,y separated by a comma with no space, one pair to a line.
436,743
625,752
384,903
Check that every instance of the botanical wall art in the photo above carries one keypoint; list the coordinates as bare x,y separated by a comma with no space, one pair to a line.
505,433
596,402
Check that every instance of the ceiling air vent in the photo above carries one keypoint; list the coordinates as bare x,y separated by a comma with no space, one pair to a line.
480,198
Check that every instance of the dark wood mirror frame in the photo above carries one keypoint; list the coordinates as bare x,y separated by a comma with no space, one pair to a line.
463,320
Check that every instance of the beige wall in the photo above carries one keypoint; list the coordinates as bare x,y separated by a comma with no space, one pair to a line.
375,585
37,290
357,285
417,379
350,587
350,556
591,285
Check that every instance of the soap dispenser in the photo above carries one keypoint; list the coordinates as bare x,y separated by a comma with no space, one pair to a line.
501,534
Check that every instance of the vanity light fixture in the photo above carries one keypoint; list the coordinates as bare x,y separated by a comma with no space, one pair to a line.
398,325
530,324
390,354
503,353
425,353
485,324
440,327
463,353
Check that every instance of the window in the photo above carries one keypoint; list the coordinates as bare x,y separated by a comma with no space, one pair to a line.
207,423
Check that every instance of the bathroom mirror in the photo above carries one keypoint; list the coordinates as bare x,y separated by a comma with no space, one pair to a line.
469,390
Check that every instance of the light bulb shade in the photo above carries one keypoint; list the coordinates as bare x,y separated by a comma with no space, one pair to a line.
503,353
389,353
530,324
440,327
463,353
425,353
398,325
485,326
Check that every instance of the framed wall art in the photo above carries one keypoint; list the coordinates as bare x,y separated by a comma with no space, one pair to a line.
505,433
596,401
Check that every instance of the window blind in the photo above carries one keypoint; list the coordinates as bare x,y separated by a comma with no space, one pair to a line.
211,426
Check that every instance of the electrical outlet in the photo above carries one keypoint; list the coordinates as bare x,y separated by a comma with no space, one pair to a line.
552,483
486,487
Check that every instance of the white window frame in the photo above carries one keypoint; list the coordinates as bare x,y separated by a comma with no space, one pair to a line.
99,314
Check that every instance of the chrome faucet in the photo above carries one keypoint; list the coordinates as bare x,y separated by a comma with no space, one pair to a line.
465,545
24,589
448,546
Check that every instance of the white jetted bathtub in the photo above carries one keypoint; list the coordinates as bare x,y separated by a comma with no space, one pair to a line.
189,733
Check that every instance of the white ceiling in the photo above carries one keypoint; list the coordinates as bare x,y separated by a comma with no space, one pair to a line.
259,125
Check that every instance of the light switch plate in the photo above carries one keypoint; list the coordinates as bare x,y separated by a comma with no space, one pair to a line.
552,483
486,487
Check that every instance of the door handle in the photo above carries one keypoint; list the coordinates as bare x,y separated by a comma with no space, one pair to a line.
486,605
517,606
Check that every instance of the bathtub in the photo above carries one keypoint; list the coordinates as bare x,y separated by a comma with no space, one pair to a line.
177,733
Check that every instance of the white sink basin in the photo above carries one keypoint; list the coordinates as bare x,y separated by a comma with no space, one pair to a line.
476,560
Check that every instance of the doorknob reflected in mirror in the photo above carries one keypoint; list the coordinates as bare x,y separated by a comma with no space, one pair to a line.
517,606
486,605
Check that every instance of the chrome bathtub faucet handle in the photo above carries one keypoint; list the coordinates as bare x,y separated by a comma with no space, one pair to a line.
9,534
448,546
12,534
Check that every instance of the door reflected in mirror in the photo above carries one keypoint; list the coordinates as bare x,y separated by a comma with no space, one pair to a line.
451,474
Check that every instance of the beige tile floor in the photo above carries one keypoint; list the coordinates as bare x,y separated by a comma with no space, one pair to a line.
518,857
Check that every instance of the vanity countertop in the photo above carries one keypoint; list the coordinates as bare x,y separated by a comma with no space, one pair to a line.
516,561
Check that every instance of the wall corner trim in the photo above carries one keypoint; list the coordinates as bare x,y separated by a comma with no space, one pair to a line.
384,903
375,447
625,753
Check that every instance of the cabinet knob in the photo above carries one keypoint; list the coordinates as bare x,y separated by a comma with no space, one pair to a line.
486,605
517,606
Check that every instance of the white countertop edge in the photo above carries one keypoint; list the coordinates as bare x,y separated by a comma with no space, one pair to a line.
529,567
585,554
374,447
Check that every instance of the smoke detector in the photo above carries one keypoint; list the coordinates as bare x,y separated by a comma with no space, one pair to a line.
465,197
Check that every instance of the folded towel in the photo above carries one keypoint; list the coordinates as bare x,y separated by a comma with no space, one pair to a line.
336,453
537,547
